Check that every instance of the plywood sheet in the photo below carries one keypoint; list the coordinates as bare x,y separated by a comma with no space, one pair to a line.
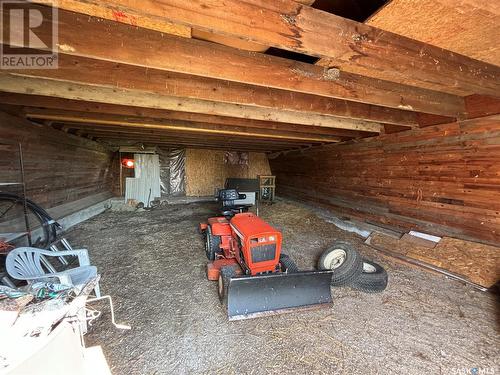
206,171
468,27
475,262
418,241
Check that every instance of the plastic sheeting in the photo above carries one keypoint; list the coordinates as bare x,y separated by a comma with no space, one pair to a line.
164,171
172,171
177,172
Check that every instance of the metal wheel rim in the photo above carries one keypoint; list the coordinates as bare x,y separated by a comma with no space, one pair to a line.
335,259
369,268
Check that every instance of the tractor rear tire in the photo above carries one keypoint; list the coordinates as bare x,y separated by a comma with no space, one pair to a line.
225,275
287,264
373,279
346,263
212,244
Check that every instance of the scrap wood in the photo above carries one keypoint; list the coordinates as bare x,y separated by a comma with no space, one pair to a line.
418,241
487,267
15,304
427,267
477,262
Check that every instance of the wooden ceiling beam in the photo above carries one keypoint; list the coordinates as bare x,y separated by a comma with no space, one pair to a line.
45,104
134,139
188,144
115,13
93,129
74,68
195,142
191,141
286,24
425,119
148,133
125,142
481,106
15,83
182,126
113,41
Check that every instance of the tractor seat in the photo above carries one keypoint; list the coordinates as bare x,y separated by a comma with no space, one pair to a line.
230,211
229,199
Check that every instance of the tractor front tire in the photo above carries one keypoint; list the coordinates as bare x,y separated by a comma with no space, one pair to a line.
287,264
373,279
225,274
344,261
212,244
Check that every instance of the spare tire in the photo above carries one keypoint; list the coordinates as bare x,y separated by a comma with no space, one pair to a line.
373,279
343,260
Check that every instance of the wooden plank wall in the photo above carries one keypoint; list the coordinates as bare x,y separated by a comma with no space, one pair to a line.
206,171
60,168
441,179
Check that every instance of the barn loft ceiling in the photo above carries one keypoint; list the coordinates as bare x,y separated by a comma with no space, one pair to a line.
257,76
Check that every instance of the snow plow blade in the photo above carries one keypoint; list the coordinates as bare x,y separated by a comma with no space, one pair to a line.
256,296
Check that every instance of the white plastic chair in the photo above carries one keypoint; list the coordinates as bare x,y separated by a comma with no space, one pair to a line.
25,263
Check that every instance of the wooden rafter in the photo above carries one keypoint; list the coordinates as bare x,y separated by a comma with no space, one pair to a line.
187,140
139,123
22,104
122,140
190,144
103,94
480,106
358,48
149,136
74,68
155,136
112,41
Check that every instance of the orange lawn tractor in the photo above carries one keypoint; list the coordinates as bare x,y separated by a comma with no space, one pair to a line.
254,277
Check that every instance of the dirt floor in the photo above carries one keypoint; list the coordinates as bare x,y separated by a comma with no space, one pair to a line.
153,264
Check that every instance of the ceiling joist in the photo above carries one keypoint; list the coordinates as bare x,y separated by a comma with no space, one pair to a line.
357,48
22,104
74,68
103,94
117,42
139,123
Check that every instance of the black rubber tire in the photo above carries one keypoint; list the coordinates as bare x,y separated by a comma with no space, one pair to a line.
222,287
212,244
373,279
287,264
350,268
49,231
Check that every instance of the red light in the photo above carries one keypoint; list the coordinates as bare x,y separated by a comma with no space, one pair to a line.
128,163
